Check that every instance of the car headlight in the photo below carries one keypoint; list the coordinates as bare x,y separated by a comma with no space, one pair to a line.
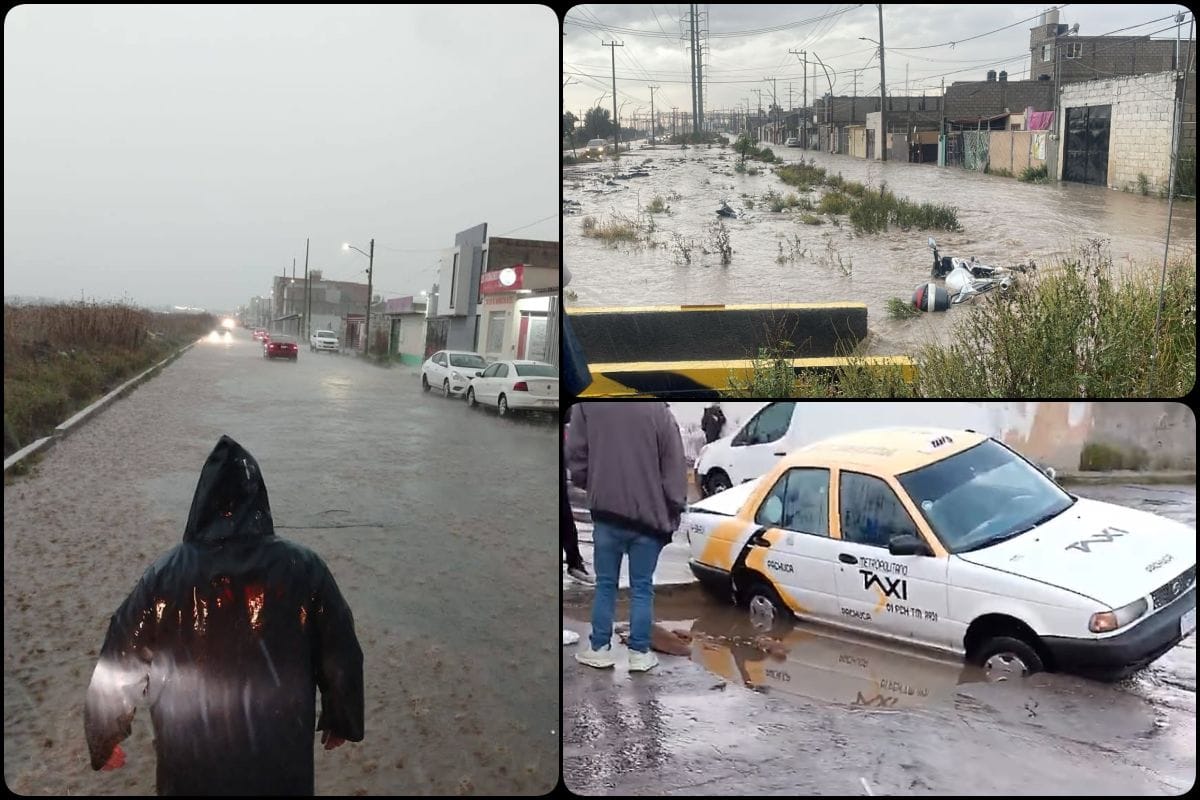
1104,621
456,375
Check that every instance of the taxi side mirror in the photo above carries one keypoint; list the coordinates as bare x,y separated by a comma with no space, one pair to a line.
905,544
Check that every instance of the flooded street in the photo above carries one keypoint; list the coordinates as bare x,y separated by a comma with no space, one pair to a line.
440,555
813,711
778,259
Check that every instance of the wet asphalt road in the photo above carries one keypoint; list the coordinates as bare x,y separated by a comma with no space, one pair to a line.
827,711
434,519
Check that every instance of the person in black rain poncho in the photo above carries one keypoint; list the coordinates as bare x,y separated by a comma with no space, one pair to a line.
229,636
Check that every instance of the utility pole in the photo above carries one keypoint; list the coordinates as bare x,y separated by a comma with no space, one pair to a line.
758,119
691,50
882,92
616,124
803,54
699,72
652,117
370,275
775,103
307,295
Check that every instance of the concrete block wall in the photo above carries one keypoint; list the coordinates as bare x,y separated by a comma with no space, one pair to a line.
1140,126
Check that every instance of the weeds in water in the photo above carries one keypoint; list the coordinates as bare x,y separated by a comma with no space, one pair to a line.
811,219
658,205
1035,174
1143,183
681,248
717,241
899,308
616,230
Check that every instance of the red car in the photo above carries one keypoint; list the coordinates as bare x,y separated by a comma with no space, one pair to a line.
261,335
281,347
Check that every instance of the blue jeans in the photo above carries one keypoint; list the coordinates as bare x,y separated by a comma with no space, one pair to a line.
611,543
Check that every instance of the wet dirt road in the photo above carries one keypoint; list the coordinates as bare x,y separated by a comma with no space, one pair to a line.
432,517
819,712
1004,222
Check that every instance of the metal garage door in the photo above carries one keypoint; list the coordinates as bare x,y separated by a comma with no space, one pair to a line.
1086,145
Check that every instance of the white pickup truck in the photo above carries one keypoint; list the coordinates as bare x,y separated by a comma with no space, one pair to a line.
323,340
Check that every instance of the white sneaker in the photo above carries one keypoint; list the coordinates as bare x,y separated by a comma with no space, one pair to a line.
641,662
600,659
569,637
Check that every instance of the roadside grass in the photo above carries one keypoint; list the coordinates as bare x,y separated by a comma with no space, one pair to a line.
658,205
1078,329
58,359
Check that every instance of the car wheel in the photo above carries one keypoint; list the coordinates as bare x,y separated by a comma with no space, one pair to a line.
767,611
1005,658
424,383
446,387
471,396
716,481
502,406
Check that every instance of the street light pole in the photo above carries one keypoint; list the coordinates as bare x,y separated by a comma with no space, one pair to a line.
370,271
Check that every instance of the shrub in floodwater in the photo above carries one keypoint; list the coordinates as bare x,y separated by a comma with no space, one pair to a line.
616,230
1034,174
658,205
750,202
1143,183
835,203
854,188
802,174
811,219
899,308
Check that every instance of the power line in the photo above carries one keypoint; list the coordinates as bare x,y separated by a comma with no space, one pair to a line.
568,20
981,35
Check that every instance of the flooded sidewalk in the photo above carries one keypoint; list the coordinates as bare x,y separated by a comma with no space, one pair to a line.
777,258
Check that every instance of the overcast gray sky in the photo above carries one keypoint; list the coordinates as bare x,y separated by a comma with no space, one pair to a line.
181,154
750,42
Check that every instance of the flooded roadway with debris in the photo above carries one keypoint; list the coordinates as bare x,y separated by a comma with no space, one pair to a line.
433,518
778,259
815,711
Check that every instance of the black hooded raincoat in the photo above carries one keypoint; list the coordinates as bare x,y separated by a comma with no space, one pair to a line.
228,636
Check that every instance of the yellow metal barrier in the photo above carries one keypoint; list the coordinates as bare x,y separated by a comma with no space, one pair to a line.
704,380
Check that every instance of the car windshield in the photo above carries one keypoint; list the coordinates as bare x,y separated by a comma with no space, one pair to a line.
326,335
982,496
467,360
536,370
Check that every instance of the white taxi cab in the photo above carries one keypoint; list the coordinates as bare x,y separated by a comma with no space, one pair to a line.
950,540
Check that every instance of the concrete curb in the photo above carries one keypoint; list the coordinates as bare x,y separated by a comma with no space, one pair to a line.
76,421
1126,476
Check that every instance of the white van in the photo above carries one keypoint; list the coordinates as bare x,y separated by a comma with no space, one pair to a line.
779,428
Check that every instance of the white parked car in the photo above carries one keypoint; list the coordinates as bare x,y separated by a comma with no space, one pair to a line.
323,340
516,385
792,142
949,540
451,371
779,428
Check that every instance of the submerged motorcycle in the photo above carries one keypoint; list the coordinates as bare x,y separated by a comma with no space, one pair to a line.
965,279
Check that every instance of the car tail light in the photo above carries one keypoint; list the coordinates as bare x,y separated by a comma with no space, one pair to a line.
520,386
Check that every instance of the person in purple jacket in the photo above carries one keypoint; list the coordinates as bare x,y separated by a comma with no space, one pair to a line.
629,458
